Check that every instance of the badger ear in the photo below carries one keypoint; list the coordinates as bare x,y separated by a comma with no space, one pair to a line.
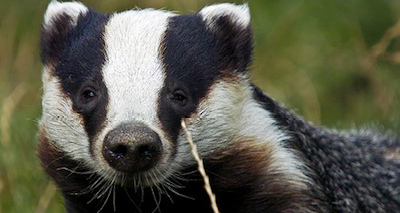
230,25
59,20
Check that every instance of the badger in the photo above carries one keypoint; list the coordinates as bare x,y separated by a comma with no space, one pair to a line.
116,87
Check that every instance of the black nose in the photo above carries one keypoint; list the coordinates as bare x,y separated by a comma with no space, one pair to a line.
132,147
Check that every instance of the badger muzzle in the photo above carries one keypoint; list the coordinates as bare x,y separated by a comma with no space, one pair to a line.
132,147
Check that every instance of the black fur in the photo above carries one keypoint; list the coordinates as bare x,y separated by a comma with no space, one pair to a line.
350,169
77,55
195,56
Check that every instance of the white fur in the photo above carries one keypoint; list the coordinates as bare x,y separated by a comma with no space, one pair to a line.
55,8
239,14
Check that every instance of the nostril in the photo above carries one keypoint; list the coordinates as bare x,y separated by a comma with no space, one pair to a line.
120,150
115,153
148,152
147,155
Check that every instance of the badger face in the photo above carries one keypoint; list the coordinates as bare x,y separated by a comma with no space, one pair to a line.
117,86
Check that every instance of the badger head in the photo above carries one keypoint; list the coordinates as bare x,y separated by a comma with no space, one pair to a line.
117,86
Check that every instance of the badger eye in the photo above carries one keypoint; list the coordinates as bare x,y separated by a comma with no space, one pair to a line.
88,95
179,97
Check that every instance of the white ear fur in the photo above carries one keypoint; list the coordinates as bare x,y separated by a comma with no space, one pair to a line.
55,8
239,14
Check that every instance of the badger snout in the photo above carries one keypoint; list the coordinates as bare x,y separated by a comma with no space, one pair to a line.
132,147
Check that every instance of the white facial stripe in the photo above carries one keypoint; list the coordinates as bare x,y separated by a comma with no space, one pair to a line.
133,72
63,125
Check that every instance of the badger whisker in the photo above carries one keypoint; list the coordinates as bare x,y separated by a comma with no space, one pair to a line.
123,180
165,186
165,191
98,182
109,189
60,158
172,189
142,193
159,188
170,182
130,198
105,187
114,195
136,183
74,171
102,191
155,200
99,192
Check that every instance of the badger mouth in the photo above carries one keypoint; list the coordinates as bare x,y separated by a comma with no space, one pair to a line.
153,177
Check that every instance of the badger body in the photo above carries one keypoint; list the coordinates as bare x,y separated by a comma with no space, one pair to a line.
116,87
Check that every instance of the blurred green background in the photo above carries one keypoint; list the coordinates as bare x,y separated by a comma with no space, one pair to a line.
337,63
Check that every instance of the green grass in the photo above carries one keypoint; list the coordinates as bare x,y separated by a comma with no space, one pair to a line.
309,55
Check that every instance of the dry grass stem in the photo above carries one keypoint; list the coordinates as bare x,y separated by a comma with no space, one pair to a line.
201,169
383,96
45,199
8,108
394,58
7,111
380,48
1,185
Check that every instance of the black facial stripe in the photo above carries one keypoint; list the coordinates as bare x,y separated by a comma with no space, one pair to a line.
194,56
189,59
80,63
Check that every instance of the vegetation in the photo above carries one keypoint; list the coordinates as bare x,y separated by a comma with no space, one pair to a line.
337,63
